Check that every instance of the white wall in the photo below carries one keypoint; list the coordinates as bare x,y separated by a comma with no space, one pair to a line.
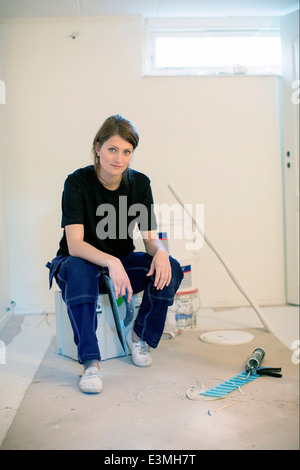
216,138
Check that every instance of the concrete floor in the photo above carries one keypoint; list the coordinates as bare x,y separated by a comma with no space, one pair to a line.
42,408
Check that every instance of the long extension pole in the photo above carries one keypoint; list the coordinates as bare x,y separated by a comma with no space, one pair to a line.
252,302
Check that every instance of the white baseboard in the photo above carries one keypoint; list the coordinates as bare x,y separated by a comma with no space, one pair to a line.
211,303
204,303
34,309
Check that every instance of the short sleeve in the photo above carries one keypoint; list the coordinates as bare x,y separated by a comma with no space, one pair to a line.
72,202
148,222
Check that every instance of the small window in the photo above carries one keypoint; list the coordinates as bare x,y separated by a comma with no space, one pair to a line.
214,52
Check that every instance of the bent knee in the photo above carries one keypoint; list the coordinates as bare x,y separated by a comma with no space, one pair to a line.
177,273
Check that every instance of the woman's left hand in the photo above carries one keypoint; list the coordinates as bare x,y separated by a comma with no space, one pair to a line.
160,265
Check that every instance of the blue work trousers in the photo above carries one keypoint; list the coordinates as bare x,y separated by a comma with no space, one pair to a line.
81,282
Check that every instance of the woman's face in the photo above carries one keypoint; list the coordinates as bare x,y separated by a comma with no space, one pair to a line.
115,155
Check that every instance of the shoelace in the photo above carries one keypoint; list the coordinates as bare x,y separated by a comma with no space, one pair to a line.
141,347
90,373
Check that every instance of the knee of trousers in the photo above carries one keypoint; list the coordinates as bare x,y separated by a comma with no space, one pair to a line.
166,295
177,276
176,269
79,281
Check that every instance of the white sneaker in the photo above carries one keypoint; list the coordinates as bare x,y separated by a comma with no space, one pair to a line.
90,381
139,351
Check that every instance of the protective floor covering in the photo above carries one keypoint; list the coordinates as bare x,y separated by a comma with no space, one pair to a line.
148,408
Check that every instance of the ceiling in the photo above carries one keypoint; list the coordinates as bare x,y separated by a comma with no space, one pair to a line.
145,8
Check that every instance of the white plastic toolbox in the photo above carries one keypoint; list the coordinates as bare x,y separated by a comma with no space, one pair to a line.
107,336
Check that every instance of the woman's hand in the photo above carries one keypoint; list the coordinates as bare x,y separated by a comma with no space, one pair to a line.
161,267
78,247
120,280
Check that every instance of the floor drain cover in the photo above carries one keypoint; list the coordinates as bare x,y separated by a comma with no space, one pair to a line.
226,337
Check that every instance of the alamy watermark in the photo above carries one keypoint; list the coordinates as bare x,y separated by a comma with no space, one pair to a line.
186,222
2,352
296,93
296,353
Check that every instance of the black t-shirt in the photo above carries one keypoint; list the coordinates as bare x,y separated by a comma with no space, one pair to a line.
108,216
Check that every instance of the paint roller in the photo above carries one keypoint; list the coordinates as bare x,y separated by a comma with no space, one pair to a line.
252,371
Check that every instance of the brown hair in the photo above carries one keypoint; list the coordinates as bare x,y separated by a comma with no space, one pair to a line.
115,125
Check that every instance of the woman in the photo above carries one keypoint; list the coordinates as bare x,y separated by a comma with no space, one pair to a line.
99,209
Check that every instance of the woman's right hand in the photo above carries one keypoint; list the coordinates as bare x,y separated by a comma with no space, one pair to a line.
120,280
78,247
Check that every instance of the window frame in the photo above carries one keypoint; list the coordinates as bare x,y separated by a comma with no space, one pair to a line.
201,28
